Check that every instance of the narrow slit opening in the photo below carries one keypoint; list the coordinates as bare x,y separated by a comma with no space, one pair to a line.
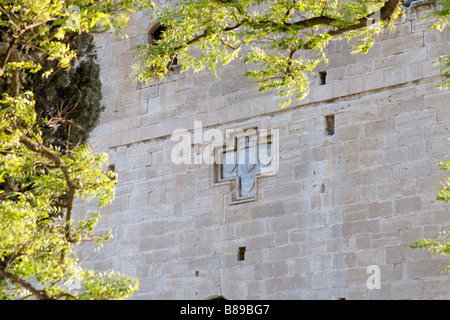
329,125
322,77
241,254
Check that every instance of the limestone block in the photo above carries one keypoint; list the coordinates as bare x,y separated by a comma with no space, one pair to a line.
268,210
435,289
407,289
384,293
321,262
411,169
395,75
335,279
408,205
374,80
414,71
393,61
417,55
284,252
401,44
355,84
234,289
323,92
415,120
361,227
360,68
429,69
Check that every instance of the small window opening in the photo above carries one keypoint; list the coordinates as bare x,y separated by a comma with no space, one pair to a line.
322,77
158,35
241,254
329,125
111,171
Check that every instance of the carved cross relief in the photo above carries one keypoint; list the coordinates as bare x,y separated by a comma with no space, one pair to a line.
245,157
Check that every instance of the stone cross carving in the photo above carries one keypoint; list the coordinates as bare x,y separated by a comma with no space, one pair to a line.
245,157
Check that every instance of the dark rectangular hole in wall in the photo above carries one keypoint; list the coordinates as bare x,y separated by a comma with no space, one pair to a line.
241,254
111,171
323,77
329,125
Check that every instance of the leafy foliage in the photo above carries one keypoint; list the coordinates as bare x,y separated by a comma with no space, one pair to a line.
441,243
444,192
34,243
271,37
442,15
68,101
43,167
280,41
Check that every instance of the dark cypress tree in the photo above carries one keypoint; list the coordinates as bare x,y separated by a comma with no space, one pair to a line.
69,101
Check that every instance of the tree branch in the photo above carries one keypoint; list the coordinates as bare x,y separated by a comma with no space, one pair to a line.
59,164
10,20
7,54
70,200
40,294
386,13
20,30
207,32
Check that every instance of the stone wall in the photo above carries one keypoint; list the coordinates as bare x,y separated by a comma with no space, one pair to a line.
338,203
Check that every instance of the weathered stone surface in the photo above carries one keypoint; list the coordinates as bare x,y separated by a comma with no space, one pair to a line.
338,203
